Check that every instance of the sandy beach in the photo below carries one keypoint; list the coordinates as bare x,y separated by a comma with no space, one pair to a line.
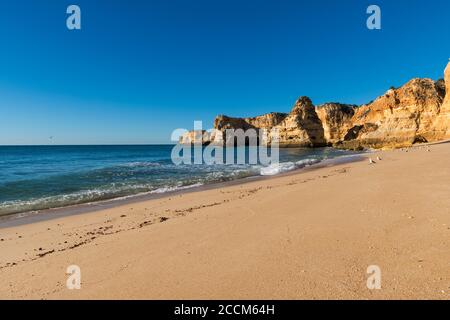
307,235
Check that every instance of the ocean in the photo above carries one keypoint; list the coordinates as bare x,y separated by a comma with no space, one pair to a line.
34,178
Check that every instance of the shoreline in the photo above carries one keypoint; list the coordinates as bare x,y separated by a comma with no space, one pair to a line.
23,218
307,234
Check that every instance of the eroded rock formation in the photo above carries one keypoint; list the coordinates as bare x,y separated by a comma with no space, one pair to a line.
401,117
266,121
302,127
202,137
443,119
417,112
336,120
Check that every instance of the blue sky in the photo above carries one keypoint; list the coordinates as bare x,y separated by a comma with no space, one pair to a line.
139,69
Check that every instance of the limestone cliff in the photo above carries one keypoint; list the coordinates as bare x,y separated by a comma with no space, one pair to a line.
302,127
417,112
266,121
336,120
201,137
442,122
447,86
399,118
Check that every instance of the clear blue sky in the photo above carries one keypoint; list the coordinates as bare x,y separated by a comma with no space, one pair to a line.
139,69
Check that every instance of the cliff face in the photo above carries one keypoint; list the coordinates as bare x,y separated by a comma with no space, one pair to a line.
336,120
443,121
302,127
266,121
222,123
447,86
202,137
417,112
399,118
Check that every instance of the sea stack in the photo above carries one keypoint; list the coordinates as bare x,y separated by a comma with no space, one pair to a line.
302,127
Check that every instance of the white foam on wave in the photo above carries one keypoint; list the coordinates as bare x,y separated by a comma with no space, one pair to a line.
177,188
116,190
105,194
278,168
141,164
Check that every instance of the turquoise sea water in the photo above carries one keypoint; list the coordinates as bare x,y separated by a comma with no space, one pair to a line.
42,177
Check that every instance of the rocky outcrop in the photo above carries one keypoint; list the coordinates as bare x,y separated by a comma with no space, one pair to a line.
417,112
301,128
195,136
441,123
201,137
266,121
401,117
336,120
447,85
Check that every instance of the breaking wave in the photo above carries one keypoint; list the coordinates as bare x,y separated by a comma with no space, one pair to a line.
38,178
278,168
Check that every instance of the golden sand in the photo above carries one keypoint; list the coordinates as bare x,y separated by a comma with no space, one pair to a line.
308,235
